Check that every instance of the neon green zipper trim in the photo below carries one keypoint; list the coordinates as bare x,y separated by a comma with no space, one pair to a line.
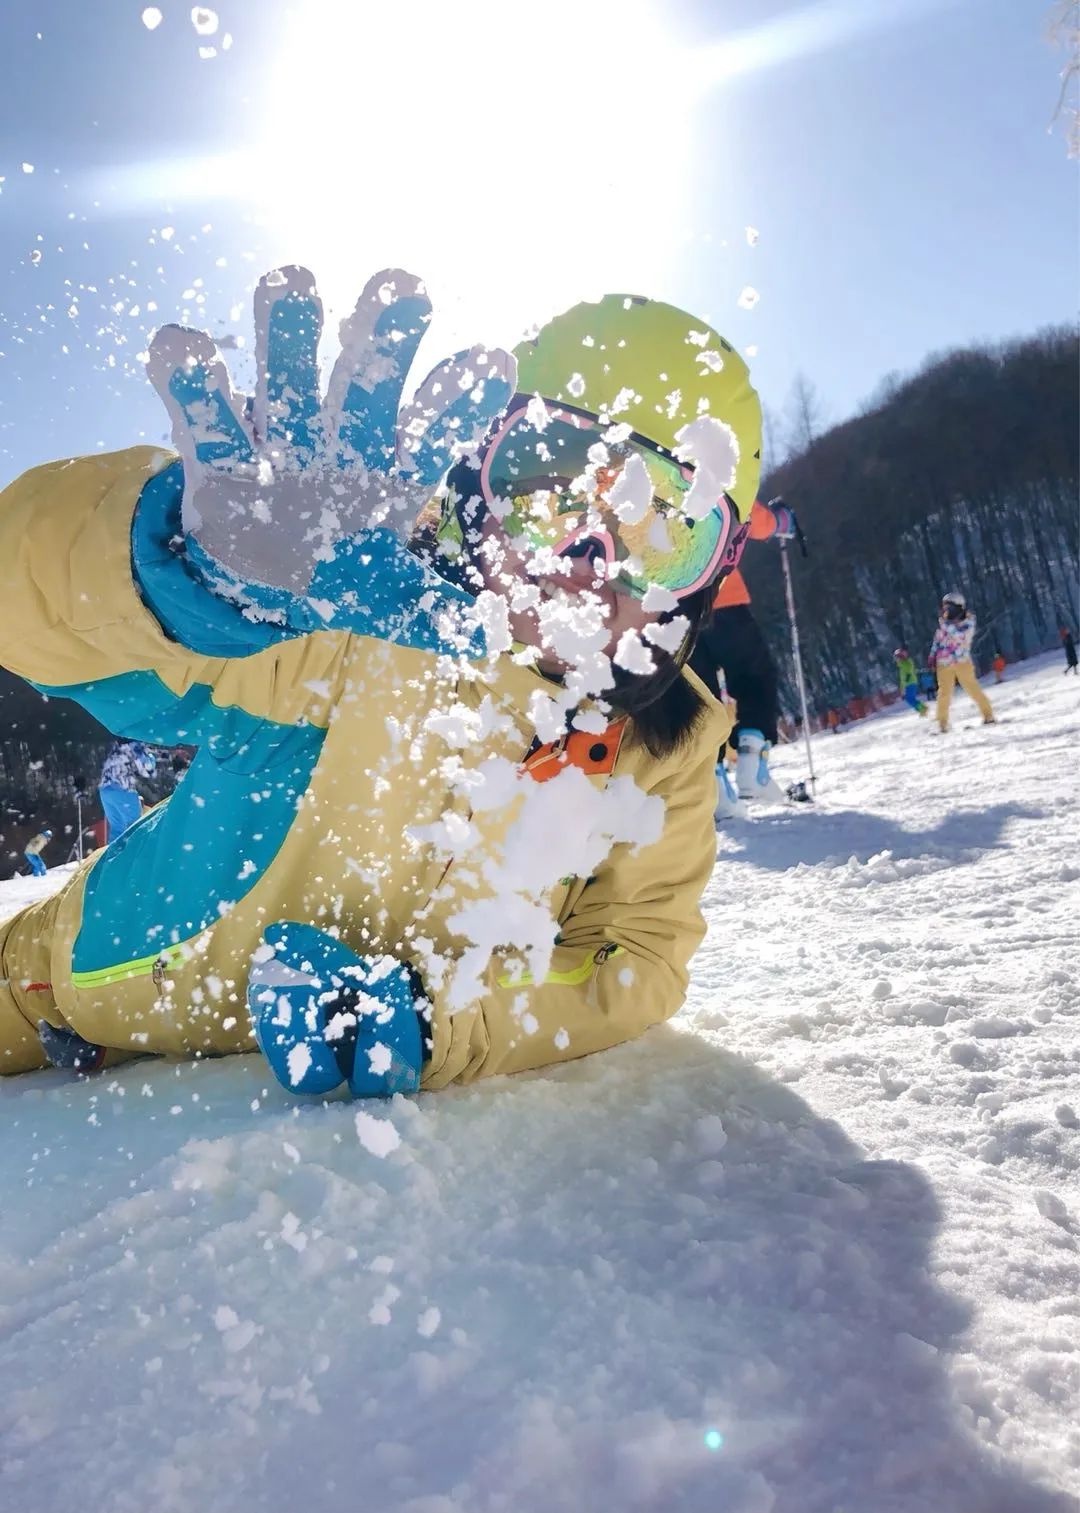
571,979
101,977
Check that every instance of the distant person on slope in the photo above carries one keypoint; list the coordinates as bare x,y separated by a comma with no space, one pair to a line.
909,679
33,849
125,762
733,657
950,655
1070,649
999,665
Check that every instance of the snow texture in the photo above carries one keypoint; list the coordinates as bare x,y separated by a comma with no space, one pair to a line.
811,1247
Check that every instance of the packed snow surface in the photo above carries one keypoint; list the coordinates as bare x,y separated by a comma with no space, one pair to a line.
811,1248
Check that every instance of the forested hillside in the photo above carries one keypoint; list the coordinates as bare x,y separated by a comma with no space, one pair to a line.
965,475
46,747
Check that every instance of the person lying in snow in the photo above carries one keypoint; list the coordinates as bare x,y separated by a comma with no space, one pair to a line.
450,813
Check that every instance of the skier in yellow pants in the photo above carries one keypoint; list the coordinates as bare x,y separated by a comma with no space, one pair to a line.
950,656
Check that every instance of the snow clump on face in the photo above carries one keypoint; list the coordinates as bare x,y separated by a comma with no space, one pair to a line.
631,494
713,449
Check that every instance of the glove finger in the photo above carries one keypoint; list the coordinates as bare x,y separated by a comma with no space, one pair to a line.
452,410
378,343
208,427
288,325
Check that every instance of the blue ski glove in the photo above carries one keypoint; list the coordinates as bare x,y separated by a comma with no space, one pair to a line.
67,1049
297,508
786,524
323,1015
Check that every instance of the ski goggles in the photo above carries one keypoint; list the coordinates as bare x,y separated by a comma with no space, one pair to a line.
562,485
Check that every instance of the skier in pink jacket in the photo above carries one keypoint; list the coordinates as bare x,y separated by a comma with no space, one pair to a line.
950,656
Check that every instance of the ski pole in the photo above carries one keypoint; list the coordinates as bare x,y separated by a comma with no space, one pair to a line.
797,657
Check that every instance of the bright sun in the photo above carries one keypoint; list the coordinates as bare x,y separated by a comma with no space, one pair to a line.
519,158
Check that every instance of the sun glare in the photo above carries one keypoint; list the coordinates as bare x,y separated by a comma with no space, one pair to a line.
518,158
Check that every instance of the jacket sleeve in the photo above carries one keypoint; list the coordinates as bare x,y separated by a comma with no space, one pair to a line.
621,964
762,522
75,621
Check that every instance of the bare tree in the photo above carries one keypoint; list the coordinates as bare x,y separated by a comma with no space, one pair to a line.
1065,34
772,447
805,416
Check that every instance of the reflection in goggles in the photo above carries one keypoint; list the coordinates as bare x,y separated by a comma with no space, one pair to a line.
574,486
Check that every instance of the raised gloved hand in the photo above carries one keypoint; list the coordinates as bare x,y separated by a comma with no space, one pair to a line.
297,507
787,527
323,1015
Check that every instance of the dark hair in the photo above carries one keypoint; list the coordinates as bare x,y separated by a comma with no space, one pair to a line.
663,708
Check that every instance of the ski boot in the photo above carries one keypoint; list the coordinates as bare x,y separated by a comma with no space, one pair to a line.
728,804
752,776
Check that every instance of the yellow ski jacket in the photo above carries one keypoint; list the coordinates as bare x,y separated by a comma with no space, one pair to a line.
331,785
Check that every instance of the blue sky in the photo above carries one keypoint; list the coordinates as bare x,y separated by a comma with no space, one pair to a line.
893,157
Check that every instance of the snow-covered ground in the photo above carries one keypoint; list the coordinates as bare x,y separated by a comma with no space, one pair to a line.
812,1248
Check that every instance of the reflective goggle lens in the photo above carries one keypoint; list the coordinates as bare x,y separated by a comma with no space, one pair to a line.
574,481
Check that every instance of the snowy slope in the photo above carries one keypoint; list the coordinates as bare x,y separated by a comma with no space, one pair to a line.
813,1248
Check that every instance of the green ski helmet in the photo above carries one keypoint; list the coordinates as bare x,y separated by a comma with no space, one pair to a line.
599,385
628,358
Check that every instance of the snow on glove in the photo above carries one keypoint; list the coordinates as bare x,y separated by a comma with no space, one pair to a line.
297,508
323,1015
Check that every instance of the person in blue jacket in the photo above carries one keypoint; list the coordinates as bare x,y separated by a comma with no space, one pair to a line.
125,762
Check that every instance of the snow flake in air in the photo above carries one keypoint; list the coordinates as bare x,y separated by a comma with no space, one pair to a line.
632,654
204,20
428,1322
748,298
152,18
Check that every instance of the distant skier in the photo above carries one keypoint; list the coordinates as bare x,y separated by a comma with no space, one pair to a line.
951,658
33,849
998,665
732,658
1070,649
125,761
909,679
